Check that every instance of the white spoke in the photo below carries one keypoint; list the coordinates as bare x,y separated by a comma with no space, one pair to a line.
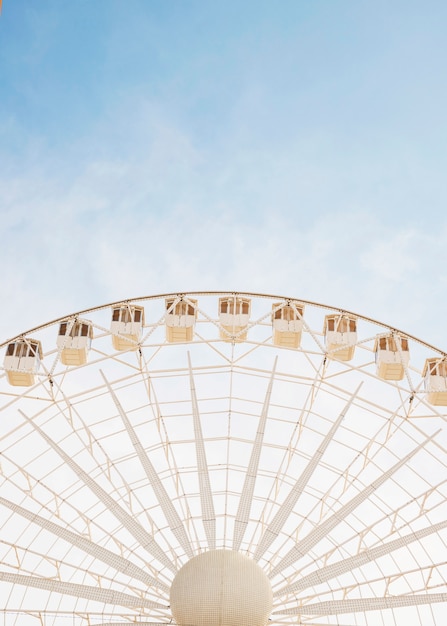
107,596
315,536
336,607
206,496
243,511
336,569
146,541
166,505
106,556
288,505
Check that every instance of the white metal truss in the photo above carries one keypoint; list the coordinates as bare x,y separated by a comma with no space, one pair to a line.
116,472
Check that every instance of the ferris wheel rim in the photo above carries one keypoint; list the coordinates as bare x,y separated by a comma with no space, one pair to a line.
249,294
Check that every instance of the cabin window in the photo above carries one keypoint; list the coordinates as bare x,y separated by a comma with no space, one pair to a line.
392,344
126,315
77,329
438,368
181,308
342,324
22,349
234,306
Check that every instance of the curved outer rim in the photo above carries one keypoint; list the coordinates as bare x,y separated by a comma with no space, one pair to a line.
225,293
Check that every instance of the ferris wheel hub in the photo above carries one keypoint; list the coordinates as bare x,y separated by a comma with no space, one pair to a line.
221,588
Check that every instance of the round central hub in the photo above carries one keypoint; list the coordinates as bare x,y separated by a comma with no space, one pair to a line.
221,588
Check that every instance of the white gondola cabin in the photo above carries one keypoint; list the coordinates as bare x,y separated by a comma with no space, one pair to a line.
22,360
340,333
180,319
234,315
126,327
74,340
287,322
435,374
392,356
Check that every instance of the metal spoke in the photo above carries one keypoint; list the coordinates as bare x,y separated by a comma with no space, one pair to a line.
106,556
147,542
246,498
336,569
286,508
166,505
315,536
336,607
206,496
107,596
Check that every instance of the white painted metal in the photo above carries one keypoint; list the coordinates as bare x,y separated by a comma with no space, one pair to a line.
340,332
113,482
21,362
285,510
74,340
221,588
181,315
246,499
287,322
392,356
234,315
435,373
126,326
206,495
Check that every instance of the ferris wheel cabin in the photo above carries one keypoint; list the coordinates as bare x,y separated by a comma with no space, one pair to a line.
234,315
126,327
392,356
435,375
74,341
180,319
287,322
22,360
340,332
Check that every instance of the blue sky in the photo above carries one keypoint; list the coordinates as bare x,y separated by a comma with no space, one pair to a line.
292,147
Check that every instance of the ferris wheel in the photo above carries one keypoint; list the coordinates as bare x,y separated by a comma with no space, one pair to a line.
222,459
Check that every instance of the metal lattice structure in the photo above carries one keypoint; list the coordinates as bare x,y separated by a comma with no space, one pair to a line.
222,421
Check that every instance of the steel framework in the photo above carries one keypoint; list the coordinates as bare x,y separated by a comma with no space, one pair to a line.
114,473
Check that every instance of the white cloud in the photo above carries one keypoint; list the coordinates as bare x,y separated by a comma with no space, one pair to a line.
139,208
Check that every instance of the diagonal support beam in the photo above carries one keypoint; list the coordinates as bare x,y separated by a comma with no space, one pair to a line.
164,500
243,511
106,556
144,538
323,529
275,526
336,607
341,567
206,496
95,594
